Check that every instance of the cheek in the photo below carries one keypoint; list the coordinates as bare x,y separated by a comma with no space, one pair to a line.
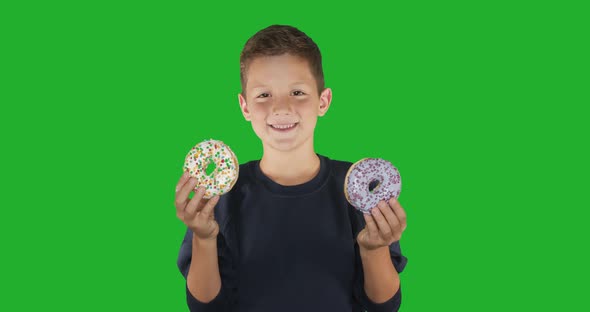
308,110
257,112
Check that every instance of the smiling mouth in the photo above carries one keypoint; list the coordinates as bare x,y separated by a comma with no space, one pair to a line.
284,127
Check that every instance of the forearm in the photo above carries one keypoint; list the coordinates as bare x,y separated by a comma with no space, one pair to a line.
381,278
203,280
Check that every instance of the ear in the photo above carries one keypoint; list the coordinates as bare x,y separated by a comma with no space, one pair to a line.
244,107
325,100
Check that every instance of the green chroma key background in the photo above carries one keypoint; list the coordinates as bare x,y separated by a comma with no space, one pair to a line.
478,104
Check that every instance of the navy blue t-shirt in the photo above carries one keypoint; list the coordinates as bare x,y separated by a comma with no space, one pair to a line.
289,248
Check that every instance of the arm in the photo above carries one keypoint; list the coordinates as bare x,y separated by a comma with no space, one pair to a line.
204,259
203,279
379,287
373,288
208,272
381,279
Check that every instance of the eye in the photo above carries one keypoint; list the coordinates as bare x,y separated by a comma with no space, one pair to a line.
298,92
263,95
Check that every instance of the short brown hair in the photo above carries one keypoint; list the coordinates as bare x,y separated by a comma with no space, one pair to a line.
277,40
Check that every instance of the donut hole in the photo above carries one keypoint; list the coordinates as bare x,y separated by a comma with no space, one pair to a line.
374,185
210,168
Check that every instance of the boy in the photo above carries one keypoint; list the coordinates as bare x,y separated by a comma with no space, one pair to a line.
285,238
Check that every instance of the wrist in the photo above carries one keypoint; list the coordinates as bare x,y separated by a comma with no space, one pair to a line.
204,242
372,252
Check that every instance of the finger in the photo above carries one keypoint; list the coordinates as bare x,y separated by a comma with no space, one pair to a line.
207,212
399,212
185,176
194,203
371,226
390,216
384,227
182,194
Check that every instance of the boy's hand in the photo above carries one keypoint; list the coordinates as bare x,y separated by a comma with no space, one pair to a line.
384,226
196,213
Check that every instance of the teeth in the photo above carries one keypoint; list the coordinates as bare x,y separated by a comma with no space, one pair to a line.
283,126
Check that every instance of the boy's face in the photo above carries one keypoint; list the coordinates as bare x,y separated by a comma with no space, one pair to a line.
282,101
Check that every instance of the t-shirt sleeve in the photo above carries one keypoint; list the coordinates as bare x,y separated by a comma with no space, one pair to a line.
226,295
399,262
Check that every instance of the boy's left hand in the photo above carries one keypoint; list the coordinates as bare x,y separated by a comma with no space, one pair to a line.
384,226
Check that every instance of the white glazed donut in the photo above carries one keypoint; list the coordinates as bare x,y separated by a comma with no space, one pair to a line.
226,163
369,181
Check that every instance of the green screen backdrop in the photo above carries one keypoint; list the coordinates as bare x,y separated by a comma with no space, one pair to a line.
480,105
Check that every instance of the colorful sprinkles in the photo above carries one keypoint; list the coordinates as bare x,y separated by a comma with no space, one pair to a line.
222,179
370,171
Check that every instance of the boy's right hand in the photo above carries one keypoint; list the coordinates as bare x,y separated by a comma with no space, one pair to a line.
196,213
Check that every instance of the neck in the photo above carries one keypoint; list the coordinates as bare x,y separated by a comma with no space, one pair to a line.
290,167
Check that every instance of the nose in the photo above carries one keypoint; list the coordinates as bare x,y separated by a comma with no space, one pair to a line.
281,106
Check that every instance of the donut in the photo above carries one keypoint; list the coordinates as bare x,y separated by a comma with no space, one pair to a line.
369,181
223,178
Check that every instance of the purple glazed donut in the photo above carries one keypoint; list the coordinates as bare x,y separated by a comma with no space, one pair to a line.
369,181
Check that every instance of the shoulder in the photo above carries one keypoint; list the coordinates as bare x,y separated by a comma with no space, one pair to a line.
339,168
245,177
